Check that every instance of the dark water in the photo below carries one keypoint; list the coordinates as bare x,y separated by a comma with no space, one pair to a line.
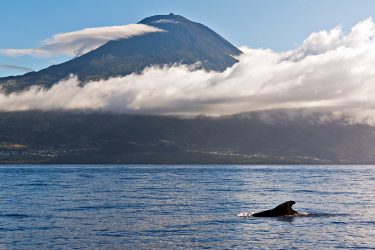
128,207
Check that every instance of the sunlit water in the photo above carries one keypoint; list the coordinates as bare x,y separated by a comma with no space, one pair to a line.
160,207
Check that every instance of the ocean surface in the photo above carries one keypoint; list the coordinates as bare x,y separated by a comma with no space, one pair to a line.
179,207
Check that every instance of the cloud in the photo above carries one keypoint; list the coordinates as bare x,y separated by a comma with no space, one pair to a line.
324,41
165,21
330,72
15,67
82,41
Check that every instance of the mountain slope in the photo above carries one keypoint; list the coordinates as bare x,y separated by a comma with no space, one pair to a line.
66,137
183,42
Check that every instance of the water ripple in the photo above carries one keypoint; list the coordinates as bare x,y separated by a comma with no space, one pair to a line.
194,207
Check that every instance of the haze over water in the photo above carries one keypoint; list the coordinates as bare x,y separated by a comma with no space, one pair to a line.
166,206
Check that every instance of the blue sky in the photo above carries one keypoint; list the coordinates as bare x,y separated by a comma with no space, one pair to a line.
275,24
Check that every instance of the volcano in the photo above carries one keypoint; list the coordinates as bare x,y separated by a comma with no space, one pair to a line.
181,42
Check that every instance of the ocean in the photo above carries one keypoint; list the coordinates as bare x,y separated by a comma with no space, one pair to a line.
185,207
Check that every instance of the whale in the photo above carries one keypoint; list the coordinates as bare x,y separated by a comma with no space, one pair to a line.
284,209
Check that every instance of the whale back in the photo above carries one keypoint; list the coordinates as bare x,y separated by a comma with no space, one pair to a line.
283,209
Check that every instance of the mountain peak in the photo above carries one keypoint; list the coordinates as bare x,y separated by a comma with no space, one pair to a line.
171,18
183,42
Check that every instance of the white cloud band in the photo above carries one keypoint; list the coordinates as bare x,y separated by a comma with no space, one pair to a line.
329,72
15,67
82,41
